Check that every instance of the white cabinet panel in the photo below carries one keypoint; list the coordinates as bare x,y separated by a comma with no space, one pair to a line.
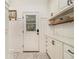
62,4
65,3
58,6
55,49
49,47
53,6
68,52
67,56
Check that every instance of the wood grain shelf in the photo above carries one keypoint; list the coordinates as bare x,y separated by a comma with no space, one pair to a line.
62,22
65,17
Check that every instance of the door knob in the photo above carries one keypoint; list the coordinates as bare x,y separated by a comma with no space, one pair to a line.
53,42
37,31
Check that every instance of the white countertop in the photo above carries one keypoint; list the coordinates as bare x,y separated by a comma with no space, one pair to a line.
66,40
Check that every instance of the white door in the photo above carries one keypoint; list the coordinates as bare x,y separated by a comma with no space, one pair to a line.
31,31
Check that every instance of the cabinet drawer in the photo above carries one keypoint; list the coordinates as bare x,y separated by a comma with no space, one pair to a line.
49,41
69,50
67,56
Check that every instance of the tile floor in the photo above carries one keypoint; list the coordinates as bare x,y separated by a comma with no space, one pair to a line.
32,56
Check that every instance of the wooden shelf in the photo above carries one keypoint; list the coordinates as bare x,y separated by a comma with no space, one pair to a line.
62,11
62,22
63,17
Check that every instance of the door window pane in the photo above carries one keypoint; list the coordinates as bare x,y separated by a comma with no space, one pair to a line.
30,27
30,22
30,18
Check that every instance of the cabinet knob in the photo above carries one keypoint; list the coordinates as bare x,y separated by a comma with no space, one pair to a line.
53,42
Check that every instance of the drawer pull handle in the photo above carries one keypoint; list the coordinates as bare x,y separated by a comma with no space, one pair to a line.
53,42
70,52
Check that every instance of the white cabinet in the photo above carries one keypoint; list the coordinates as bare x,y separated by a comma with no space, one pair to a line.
54,48
63,3
67,56
68,52
59,50
53,4
58,6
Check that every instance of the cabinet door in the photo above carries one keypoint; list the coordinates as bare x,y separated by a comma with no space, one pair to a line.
53,6
55,49
63,3
68,52
67,56
49,47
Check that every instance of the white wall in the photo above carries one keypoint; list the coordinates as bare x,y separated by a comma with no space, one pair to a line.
6,29
8,55
30,5
8,1
40,6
